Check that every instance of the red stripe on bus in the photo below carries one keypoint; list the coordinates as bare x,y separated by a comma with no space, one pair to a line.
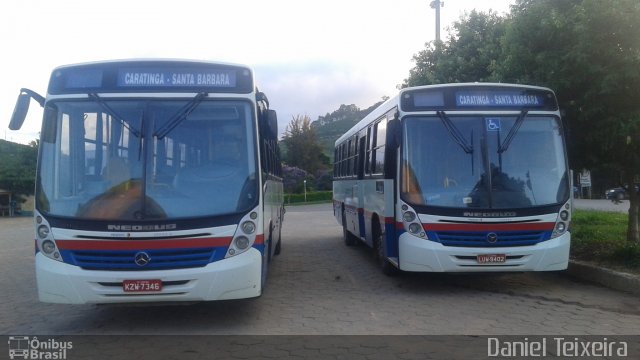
135,244
259,240
489,227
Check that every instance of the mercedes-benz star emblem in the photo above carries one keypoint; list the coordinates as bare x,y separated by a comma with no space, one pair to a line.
142,258
492,238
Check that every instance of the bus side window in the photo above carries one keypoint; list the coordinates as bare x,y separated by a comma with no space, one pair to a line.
367,160
349,155
336,162
360,158
380,129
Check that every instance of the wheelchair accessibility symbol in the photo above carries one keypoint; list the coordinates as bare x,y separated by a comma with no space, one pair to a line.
493,124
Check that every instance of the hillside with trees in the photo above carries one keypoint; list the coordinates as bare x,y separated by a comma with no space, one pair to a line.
330,127
307,147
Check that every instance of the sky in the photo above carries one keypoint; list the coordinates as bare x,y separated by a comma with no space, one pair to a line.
309,57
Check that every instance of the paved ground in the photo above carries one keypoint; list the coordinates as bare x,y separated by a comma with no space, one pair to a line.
318,286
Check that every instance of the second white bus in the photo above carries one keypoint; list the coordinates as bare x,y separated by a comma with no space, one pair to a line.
458,178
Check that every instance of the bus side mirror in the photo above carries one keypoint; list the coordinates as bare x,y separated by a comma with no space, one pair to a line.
272,123
22,107
20,111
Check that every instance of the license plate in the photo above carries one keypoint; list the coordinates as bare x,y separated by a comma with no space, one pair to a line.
491,258
136,286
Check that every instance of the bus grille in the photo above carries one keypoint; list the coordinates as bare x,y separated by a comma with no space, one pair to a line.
480,239
125,260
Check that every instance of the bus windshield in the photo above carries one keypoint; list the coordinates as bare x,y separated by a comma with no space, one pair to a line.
103,159
465,162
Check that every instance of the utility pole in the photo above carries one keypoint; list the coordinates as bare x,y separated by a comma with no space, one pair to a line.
437,4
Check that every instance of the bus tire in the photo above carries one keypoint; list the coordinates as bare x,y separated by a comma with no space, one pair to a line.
378,253
278,248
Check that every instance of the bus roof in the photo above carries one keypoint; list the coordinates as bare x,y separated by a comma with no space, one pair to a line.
151,75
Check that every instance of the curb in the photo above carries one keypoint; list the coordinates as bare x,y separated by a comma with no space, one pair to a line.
616,280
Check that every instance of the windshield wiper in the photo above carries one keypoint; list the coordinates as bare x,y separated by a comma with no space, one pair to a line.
454,132
512,133
113,114
180,116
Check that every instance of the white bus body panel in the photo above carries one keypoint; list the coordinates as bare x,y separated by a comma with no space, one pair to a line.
233,278
418,254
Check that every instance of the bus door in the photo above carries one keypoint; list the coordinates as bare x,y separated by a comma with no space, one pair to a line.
353,200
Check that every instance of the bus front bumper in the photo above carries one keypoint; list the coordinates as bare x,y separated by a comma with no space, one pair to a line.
233,278
422,255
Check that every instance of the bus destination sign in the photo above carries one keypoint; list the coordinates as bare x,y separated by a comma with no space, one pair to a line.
151,76
148,77
498,99
478,97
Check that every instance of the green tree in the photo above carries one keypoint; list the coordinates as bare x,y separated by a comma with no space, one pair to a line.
302,147
470,54
18,167
588,51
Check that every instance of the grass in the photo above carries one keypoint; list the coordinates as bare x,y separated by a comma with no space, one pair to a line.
601,237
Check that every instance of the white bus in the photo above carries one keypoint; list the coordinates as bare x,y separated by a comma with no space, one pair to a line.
458,178
157,181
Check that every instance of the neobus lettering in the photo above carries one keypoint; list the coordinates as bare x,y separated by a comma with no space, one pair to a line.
141,227
490,214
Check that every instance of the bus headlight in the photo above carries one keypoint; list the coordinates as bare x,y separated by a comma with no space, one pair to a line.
248,227
246,234
241,242
411,221
415,228
563,221
409,216
48,247
45,242
43,231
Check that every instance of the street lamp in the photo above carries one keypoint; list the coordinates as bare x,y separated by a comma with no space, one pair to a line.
305,191
437,4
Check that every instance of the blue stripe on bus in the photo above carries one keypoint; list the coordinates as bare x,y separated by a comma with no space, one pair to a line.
391,238
361,223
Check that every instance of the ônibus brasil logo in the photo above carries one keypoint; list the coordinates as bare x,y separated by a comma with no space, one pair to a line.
25,347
